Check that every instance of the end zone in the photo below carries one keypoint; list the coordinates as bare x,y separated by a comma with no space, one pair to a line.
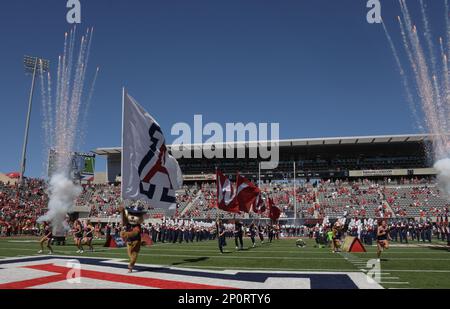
59,272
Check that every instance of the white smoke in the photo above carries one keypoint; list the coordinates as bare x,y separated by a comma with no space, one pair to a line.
443,169
63,193
62,111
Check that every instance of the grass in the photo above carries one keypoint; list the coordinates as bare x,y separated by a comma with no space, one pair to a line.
402,267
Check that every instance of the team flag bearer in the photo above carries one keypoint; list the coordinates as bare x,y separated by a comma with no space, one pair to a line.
148,172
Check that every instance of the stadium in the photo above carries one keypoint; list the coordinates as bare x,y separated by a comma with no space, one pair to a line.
359,178
375,158
109,195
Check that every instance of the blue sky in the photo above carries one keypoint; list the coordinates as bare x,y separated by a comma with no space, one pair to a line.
314,66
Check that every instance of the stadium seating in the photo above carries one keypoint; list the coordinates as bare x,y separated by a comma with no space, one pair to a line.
402,198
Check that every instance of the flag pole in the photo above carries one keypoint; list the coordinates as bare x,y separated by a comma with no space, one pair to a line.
259,174
295,195
217,205
259,183
217,198
123,124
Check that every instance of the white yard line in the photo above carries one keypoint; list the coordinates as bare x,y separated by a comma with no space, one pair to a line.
194,256
418,270
273,269
384,272
389,278
354,260
299,251
236,257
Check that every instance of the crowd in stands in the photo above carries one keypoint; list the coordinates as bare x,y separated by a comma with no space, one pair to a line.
396,200
402,198
20,209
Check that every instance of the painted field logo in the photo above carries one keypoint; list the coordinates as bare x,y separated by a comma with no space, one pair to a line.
63,272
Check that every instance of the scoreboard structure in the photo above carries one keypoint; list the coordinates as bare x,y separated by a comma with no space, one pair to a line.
81,165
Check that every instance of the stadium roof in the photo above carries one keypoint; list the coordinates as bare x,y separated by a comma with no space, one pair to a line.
301,142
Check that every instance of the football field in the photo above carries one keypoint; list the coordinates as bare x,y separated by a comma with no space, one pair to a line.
402,266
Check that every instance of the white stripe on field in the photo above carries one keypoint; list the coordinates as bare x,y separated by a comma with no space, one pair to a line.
361,261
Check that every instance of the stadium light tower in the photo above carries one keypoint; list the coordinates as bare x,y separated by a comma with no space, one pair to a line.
31,64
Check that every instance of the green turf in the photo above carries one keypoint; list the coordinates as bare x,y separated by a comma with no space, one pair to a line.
402,267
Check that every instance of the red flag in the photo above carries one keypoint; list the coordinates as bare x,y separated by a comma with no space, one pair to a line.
274,211
259,206
246,194
226,199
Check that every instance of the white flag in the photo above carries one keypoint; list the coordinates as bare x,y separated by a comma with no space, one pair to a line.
148,171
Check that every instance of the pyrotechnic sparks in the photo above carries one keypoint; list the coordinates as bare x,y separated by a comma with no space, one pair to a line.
430,77
61,121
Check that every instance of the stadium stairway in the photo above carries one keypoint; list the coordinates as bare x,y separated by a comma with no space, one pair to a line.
389,208
190,204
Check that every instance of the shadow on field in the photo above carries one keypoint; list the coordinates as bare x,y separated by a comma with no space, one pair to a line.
441,248
186,261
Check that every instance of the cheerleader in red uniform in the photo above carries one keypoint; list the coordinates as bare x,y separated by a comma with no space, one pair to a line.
382,237
46,238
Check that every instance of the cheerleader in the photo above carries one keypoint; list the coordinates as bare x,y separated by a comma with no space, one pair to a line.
382,237
46,238
88,235
78,235
97,231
